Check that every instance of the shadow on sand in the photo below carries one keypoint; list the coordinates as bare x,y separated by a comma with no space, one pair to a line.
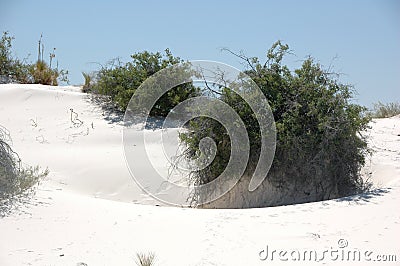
109,110
113,115
366,196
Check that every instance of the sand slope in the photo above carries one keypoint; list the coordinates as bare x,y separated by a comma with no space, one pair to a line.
83,212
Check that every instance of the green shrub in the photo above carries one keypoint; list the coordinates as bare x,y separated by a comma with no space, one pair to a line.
11,69
6,59
382,110
120,81
319,149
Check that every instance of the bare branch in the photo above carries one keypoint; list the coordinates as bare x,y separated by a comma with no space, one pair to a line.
241,56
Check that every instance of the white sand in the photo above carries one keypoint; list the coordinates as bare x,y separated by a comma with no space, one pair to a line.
83,211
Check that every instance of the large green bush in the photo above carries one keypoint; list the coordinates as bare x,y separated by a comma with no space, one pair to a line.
120,81
319,149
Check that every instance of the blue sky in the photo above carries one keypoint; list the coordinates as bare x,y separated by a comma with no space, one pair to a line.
360,38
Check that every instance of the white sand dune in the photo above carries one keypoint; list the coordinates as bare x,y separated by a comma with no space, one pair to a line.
84,211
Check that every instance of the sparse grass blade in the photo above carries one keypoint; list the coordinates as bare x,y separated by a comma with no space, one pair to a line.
384,110
143,259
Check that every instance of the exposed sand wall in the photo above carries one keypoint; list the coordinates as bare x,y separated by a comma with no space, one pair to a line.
266,195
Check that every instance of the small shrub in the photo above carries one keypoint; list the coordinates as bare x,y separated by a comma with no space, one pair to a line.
16,182
11,69
145,259
382,110
43,74
88,82
120,81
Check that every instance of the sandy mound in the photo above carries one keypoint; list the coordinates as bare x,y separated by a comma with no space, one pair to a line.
71,220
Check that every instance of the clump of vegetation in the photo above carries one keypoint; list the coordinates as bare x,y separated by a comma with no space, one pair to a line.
88,82
382,110
16,182
319,149
42,74
11,69
14,70
119,81
143,259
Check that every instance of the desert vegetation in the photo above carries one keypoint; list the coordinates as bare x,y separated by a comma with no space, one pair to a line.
88,82
15,70
119,81
145,259
384,110
16,181
319,150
